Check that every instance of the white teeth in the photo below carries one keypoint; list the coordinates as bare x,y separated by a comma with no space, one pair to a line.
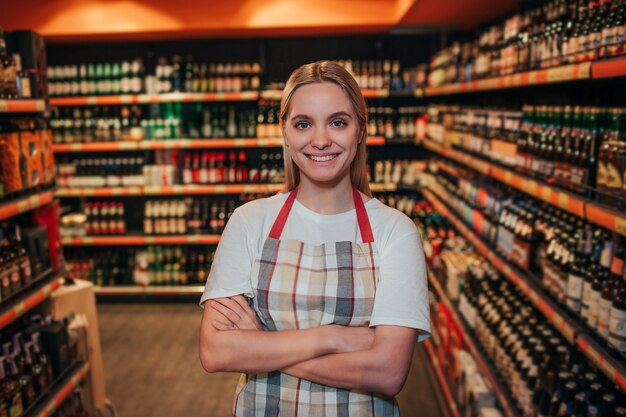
322,158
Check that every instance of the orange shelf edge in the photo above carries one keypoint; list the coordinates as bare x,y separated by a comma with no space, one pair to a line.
121,99
25,204
169,190
140,240
545,76
183,144
58,399
495,386
28,303
443,383
22,106
609,68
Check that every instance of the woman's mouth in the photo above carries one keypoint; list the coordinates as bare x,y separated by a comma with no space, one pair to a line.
322,158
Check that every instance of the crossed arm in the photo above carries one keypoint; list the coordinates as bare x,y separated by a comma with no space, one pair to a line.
375,360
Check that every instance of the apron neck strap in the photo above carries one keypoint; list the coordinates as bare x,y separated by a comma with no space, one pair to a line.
361,214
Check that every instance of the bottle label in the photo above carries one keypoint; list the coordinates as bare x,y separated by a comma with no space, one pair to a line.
602,174
574,291
584,308
604,317
594,308
613,176
617,328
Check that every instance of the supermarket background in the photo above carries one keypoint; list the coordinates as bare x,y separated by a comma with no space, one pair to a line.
131,130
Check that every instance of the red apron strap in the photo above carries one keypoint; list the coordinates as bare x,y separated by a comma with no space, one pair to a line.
362,217
361,214
279,223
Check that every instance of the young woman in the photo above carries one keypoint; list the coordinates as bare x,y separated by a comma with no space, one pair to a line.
317,294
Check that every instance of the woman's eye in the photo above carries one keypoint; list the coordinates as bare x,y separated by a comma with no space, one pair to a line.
338,123
302,125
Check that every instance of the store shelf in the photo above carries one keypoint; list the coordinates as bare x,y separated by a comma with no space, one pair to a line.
27,302
505,400
65,389
22,106
570,330
170,190
24,204
152,291
611,367
123,99
569,202
140,240
609,68
443,382
546,76
183,144
552,313
367,93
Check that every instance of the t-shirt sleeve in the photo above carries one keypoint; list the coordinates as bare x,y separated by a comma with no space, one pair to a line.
402,292
230,271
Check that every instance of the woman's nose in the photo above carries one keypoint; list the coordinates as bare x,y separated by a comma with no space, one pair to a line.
321,139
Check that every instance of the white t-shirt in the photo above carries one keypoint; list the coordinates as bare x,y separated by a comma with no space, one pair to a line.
401,294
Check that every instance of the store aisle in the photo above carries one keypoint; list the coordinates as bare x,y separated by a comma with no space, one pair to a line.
152,367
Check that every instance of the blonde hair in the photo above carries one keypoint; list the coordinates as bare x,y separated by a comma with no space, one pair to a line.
319,72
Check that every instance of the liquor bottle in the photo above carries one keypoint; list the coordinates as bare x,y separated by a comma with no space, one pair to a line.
8,86
10,389
617,317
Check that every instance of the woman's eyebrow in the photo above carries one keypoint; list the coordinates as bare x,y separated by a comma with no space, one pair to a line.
336,114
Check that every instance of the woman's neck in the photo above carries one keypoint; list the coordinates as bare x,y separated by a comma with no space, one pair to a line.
326,198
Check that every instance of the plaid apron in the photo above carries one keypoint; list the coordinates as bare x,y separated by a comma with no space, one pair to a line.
297,286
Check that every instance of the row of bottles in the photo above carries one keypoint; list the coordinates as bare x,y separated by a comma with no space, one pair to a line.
544,374
188,216
15,83
35,351
177,74
556,33
401,123
169,168
154,265
158,122
105,218
580,148
581,265
16,271
394,171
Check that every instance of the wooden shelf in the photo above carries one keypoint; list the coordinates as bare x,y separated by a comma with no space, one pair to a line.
546,76
564,200
64,391
27,302
183,144
140,240
570,330
152,291
22,106
123,99
24,204
443,381
168,190
505,400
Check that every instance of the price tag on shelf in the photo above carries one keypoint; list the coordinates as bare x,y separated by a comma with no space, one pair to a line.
620,225
546,193
563,201
4,106
558,74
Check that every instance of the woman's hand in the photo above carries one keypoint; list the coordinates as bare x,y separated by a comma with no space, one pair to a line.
235,314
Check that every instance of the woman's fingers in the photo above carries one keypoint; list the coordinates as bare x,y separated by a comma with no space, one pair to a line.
225,311
222,326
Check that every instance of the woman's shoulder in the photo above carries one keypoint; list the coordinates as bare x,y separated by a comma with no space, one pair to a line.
389,221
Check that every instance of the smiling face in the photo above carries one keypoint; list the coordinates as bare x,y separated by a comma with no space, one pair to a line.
321,133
